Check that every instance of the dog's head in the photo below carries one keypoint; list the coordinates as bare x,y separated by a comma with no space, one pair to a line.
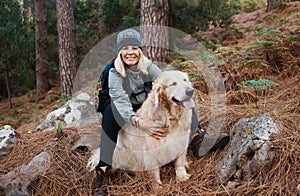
173,87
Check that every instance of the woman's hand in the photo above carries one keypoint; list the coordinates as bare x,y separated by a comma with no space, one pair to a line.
153,129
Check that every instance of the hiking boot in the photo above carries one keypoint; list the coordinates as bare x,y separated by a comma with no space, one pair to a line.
202,143
100,183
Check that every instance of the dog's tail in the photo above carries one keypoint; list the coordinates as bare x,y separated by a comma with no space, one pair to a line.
93,160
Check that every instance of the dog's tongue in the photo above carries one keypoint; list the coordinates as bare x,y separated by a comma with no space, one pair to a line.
189,103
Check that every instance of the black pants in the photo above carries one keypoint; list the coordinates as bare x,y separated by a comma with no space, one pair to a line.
112,123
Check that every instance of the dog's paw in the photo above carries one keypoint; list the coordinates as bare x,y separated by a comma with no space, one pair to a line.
183,177
181,174
156,185
93,160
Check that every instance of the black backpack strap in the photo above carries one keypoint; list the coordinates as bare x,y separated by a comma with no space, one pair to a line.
148,83
138,98
105,73
103,94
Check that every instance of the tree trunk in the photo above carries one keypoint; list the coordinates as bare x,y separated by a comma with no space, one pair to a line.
154,22
41,45
101,27
271,4
7,86
27,13
67,47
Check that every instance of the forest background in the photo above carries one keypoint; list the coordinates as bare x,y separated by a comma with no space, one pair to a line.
258,40
29,33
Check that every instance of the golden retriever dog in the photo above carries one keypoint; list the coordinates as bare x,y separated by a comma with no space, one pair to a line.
169,104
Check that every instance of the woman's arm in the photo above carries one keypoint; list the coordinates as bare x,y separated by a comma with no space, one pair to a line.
119,96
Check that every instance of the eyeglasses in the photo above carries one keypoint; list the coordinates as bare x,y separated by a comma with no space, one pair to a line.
128,48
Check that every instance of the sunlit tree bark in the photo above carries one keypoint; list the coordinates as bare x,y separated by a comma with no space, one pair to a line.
67,47
154,20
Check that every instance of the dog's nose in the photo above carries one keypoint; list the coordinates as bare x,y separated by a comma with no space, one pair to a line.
189,92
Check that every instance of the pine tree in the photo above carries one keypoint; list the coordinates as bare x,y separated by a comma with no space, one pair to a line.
67,47
41,46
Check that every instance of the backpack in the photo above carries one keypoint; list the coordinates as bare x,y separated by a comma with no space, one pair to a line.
103,94
136,98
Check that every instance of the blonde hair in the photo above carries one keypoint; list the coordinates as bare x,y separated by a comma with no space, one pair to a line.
143,64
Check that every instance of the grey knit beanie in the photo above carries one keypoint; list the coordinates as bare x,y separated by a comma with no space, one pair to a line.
128,37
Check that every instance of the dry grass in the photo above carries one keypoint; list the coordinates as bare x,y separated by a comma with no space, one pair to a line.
67,174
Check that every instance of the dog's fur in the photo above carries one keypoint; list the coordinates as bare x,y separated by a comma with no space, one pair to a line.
168,104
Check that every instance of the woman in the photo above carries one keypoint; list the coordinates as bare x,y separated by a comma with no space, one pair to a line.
133,73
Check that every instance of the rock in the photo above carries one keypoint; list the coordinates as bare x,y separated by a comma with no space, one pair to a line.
77,111
248,150
13,187
7,140
15,183
89,136
80,112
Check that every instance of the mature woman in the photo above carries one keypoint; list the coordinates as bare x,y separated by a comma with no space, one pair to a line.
132,73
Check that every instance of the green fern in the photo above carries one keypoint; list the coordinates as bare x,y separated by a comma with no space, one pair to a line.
257,84
270,31
251,62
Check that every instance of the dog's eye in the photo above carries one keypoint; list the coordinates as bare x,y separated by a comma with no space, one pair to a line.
185,80
173,84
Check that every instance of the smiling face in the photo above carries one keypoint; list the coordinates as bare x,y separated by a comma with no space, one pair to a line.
130,55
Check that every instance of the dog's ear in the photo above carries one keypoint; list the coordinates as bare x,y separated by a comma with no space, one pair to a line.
159,94
155,94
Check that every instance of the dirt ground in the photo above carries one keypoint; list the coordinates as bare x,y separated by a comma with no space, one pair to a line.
67,174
